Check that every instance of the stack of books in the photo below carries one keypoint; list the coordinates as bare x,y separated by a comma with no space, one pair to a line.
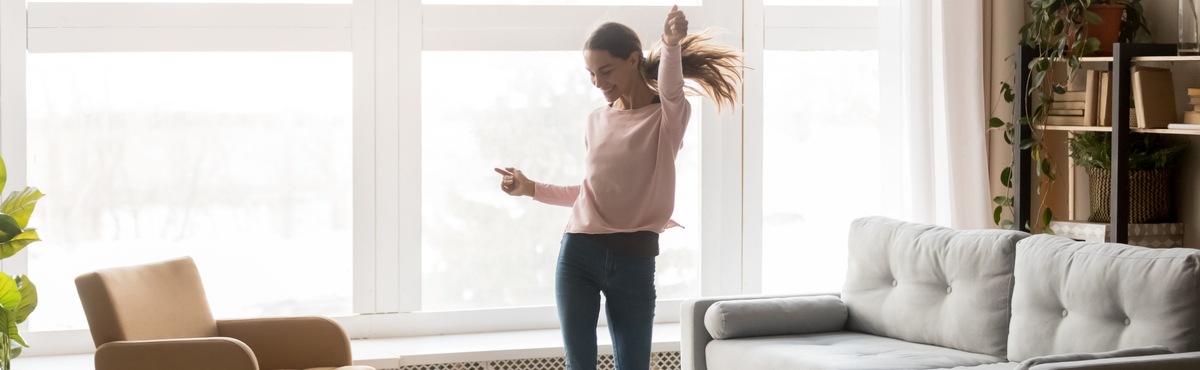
1070,108
1191,117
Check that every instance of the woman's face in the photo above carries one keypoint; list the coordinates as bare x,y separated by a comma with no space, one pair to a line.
615,77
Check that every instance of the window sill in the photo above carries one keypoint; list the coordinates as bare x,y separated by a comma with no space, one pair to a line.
390,353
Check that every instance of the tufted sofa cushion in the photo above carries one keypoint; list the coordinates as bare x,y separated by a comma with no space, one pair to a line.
930,284
1073,297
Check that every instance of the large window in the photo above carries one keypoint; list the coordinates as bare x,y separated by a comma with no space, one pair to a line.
240,160
482,248
334,157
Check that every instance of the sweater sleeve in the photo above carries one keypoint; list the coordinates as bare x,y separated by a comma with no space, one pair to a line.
676,109
556,194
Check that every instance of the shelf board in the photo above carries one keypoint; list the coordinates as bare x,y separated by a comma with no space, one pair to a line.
1109,129
1171,58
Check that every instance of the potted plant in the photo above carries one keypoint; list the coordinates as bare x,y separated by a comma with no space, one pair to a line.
1058,31
18,295
1151,165
1120,21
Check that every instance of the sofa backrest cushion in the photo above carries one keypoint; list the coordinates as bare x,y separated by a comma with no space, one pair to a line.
930,284
1073,297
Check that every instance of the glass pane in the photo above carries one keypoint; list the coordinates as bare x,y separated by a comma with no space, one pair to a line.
202,1
822,2
483,248
821,163
240,160
667,3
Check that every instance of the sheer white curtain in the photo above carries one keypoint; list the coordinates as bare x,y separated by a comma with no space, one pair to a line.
932,84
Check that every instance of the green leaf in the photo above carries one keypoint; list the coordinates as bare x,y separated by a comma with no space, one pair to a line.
1046,169
7,320
10,296
20,205
1047,215
1091,17
3,174
1006,224
996,214
999,199
1026,143
1060,89
995,122
8,227
16,244
1006,177
16,351
29,298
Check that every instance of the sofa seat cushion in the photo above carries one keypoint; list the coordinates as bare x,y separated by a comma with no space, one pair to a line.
842,350
999,366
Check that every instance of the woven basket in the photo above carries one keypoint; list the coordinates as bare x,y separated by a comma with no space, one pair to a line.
1149,196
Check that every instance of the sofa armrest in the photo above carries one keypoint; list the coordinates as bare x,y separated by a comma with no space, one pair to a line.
1174,361
291,342
695,336
176,354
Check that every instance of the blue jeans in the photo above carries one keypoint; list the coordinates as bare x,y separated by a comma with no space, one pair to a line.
588,266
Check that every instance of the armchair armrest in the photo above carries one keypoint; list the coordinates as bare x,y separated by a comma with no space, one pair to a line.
1174,361
291,342
695,336
176,354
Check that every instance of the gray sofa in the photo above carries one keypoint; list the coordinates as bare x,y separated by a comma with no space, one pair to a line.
926,297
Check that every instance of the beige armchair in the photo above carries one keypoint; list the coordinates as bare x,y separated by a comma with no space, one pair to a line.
156,316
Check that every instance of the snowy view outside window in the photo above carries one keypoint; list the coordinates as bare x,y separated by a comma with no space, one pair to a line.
482,248
240,160
821,163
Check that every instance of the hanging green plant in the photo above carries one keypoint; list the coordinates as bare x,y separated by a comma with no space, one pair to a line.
1058,34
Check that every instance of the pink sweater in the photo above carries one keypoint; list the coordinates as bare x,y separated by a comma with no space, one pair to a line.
630,176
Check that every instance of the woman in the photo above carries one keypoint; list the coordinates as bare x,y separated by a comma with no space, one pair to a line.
628,192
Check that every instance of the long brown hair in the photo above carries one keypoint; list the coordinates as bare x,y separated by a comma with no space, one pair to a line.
715,67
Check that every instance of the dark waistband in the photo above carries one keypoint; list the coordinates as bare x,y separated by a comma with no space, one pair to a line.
637,243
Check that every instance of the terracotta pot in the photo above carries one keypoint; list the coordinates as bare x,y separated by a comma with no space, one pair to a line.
1109,29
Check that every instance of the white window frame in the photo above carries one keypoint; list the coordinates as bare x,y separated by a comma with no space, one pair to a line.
386,38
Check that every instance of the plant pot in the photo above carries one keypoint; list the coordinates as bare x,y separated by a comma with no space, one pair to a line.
1149,196
1109,29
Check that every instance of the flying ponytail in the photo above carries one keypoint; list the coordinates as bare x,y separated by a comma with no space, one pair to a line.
715,67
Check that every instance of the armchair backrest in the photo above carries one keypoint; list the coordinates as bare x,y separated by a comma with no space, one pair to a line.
160,300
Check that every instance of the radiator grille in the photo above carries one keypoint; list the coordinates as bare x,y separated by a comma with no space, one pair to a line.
658,361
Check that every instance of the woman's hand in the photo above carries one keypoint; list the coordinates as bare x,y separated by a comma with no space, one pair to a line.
514,182
675,28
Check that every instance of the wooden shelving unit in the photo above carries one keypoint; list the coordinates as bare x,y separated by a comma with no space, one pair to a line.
1125,55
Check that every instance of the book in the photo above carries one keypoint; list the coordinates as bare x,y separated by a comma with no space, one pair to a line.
1193,100
1070,96
1089,98
1066,112
1191,117
1183,126
1103,101
1153,97
1068,105
1065,121
1193,91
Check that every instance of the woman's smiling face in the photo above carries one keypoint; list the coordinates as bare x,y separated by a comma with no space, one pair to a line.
615,77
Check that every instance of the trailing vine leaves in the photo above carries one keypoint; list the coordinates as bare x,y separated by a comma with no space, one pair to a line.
1056,34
